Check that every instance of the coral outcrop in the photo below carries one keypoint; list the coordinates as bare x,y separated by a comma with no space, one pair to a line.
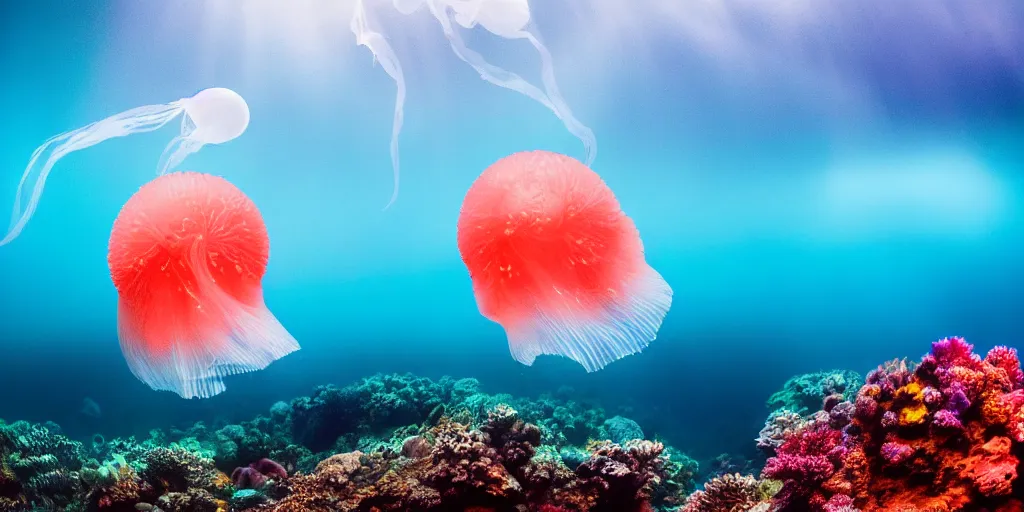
943,435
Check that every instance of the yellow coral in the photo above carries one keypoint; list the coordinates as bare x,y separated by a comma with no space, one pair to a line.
913,415
222,506
915,412
912,391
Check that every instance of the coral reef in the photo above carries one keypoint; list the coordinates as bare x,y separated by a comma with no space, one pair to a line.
493,467
732,493
943,435
804,393
389,442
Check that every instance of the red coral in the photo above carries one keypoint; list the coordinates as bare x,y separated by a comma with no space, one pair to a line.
992,468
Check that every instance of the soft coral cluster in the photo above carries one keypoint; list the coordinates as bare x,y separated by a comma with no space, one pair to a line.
942,436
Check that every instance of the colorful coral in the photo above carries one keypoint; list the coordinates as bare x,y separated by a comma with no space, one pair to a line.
943,435
390,442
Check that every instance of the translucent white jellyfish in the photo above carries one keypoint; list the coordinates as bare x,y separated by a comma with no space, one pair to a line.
212,116
509,19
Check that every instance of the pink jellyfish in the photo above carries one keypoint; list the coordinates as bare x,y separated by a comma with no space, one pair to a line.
187,255
557,263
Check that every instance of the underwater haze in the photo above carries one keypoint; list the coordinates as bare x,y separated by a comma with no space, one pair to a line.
823,185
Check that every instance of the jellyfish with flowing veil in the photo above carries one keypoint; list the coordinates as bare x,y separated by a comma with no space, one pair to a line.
508,19
212,116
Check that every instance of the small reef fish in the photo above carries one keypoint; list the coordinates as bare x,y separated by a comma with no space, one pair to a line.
187,255
556,262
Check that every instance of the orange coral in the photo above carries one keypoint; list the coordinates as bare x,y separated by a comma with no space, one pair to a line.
995,408
221,480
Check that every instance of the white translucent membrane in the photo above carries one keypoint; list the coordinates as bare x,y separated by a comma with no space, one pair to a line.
213,116
509,19
383,53
248,338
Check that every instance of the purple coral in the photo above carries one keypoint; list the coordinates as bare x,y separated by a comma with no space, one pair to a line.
952,351
896,453
890,420
958,401
247,478
946,420
866,407
627,472
841,415
256,475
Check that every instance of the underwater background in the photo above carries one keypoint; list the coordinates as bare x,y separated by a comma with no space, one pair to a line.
824,185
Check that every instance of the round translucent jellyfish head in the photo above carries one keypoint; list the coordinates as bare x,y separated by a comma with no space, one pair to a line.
508,19
219,115
212,116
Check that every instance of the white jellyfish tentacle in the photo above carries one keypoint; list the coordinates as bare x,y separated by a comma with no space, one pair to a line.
550,98
487,71
180,147
136,120
561,107
383,53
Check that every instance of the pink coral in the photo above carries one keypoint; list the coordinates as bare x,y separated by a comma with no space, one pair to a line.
804,462
1006,359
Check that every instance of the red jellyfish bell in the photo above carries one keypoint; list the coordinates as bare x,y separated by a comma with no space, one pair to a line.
187,254
557,263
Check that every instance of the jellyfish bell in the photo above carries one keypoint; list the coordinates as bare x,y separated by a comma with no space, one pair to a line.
219,115
556,262
187,255
212,116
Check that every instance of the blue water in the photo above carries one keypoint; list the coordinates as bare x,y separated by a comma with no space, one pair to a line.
823,188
